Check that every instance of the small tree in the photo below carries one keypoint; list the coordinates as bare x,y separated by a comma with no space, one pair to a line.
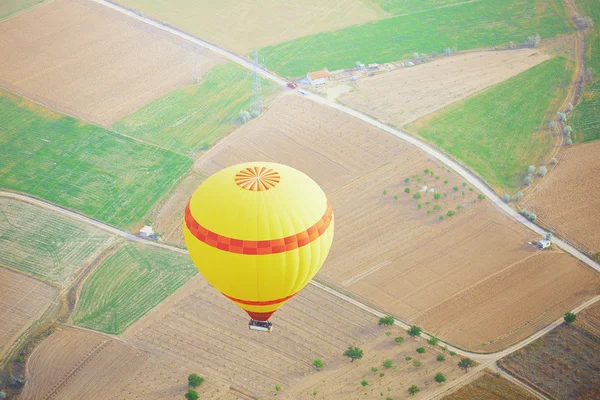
406,180
440,378
387,363
414,389
553,161
194,380
543,171
568,130
437,196
465,363
386,321
277,388
353,353
450,213
569,141
570,317
481,196
244,116
433,341
407,190
191,395
420,350
417,196
562,116
507,198
417,363
554,126
318,363
364,383
528,180
414,331
399,339
455,188
440,357
531,169
519,196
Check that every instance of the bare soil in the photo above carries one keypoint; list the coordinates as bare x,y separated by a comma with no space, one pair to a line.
567,200
404,95
83,59
23,300
490,387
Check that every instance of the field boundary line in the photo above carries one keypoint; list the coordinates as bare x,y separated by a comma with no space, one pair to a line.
366,273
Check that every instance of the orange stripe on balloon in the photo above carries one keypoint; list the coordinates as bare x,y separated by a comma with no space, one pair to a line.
259,303
258,247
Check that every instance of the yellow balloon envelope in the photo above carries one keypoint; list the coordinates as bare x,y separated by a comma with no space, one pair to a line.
258,232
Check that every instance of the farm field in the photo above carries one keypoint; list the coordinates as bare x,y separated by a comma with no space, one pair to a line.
77,364
469,25
241,26
23,300
403,7
10,7
106,176
44,243
399,255
191,118
562,364
589,319
128,284
499,132
404,95
199,328
84,59
567,201
489,387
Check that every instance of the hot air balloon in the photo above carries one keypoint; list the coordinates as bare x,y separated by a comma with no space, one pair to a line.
258,232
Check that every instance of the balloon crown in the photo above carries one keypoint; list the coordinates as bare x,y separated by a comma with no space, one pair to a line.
257,178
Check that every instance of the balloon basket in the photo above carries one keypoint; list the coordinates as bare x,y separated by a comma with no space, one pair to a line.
261,326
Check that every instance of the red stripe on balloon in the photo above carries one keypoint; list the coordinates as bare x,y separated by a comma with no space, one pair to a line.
259,303
258,247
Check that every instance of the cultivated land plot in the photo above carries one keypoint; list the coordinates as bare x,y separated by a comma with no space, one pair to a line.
87,60
199,328
403,95
590,319
193,117
23,300
82,167
128,284
242,26
9,7
77,364
468,25
501,131
562,364
567,199
44,243
490,387
399,256
409,7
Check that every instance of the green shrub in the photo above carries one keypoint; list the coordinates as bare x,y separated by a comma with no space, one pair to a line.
364,383
417,196
440,378
387,363
440,357
386,321
420,350
399,339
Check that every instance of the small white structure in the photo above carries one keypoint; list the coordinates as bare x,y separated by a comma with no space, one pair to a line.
431,190
409,63
146,231
544,244
424,189
360,66
316,78
373,67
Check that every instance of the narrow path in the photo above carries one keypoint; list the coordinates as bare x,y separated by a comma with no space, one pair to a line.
429,150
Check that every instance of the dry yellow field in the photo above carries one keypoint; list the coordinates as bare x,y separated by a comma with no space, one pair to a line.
393,253
23,300
242,26
404,95
83,59
567,200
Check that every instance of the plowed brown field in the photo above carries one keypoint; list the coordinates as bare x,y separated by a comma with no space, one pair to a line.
83,59
399,256
568,199
590,319
489,387
22,301
407,94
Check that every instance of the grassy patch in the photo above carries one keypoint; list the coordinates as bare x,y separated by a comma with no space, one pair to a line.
586,117
128,284
497,132
9,7
44,243
80,166
414,6
465,26
193,117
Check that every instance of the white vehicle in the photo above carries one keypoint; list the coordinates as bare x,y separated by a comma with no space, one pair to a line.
304,92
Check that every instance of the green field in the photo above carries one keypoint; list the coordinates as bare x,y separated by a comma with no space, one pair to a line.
9,7
80,166
414,6
586,117
193,117
44,243
497,132
466,26
128,284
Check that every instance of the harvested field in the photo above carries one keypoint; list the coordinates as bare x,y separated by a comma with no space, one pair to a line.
191,118
589,319
82,167
46,244
562,364
84,59
128,284
567,199
242,26
23,300
77,364
402,96
504,129
490,387
393,249
199,328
